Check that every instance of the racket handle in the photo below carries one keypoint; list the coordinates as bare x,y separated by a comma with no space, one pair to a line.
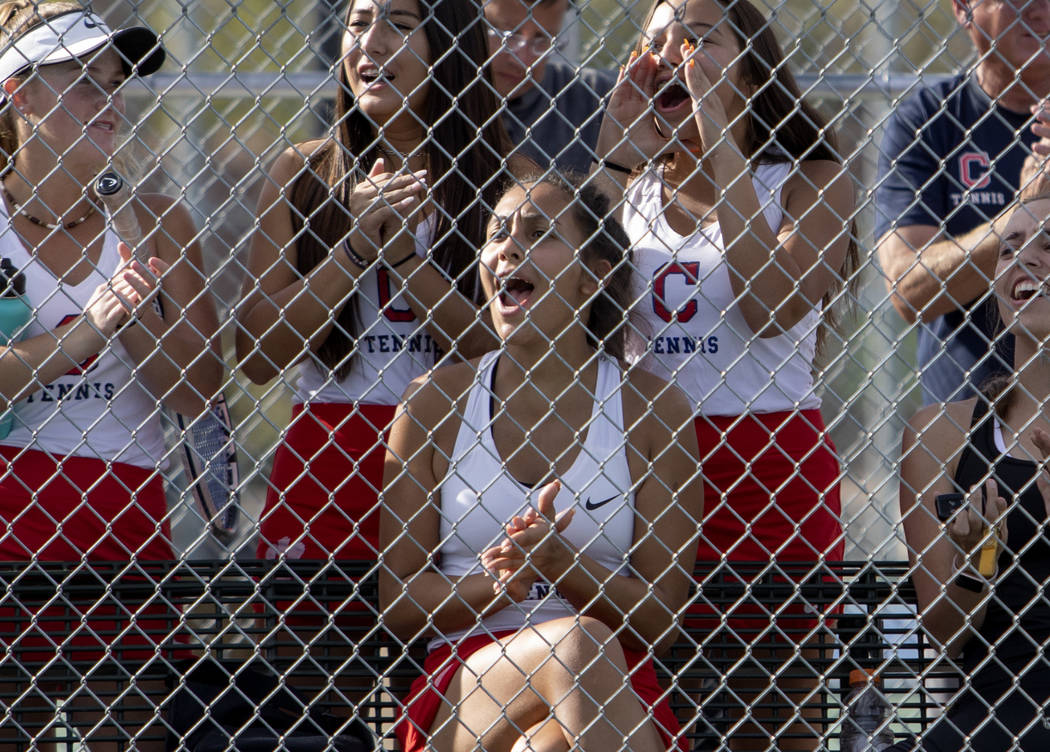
117,198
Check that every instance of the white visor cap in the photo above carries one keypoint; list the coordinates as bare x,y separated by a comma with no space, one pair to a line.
76,34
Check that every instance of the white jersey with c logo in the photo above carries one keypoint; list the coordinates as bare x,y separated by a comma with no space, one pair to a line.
393,346
697,336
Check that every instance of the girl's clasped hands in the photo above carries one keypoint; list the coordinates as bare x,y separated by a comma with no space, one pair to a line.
533,548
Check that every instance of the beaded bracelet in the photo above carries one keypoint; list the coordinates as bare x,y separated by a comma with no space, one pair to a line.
358,261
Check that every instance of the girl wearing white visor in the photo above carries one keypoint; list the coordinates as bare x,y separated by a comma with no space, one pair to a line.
84,379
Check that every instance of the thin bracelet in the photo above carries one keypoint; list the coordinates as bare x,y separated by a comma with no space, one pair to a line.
969,582
405,260
351,254
610,165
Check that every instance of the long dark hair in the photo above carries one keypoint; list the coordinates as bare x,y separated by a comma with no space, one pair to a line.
464,146
781,126
604,240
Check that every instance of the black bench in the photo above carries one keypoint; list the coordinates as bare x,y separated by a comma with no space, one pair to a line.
870,623
236,611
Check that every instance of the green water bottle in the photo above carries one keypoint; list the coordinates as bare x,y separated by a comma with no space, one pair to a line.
15,313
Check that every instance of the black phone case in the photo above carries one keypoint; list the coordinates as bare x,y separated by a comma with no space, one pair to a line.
948,504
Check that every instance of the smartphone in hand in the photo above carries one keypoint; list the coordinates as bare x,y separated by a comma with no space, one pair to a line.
948,504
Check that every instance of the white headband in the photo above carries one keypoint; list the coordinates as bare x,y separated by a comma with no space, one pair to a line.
73,35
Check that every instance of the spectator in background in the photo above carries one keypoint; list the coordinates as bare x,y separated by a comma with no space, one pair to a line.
994,450
951,160
553,110
360,314
79,476
541,505
740,213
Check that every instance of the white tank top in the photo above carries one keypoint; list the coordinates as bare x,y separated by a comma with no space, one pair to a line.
697,335
478,497
393,348
98,409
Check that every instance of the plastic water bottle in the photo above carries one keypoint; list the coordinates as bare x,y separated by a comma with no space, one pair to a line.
866,727
14,315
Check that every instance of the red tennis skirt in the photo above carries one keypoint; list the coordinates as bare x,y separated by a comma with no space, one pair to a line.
82,509
771,494
425,696
323,499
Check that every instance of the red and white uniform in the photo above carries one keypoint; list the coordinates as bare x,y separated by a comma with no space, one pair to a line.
80,474
478,497
82,457
771,474
328,471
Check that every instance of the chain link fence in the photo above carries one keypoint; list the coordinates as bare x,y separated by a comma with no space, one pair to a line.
220,535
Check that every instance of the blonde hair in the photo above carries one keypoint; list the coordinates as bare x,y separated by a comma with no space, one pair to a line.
16,18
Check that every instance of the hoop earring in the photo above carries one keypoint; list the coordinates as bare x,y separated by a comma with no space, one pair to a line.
659,131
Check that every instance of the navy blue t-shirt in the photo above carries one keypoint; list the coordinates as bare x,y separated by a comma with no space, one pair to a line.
951,157
556,122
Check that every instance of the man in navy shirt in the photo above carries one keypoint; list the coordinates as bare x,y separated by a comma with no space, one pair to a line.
553,110
951,160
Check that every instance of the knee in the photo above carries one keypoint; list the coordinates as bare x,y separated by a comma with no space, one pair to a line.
578,642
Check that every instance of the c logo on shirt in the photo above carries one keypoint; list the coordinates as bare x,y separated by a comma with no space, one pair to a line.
386,294
86,365
973,169
690,270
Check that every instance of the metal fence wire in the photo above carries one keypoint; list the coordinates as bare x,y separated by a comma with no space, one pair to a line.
506,375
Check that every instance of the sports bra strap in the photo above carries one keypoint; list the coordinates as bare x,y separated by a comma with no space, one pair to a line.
979,453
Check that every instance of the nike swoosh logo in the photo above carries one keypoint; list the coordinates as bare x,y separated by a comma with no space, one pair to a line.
591,505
